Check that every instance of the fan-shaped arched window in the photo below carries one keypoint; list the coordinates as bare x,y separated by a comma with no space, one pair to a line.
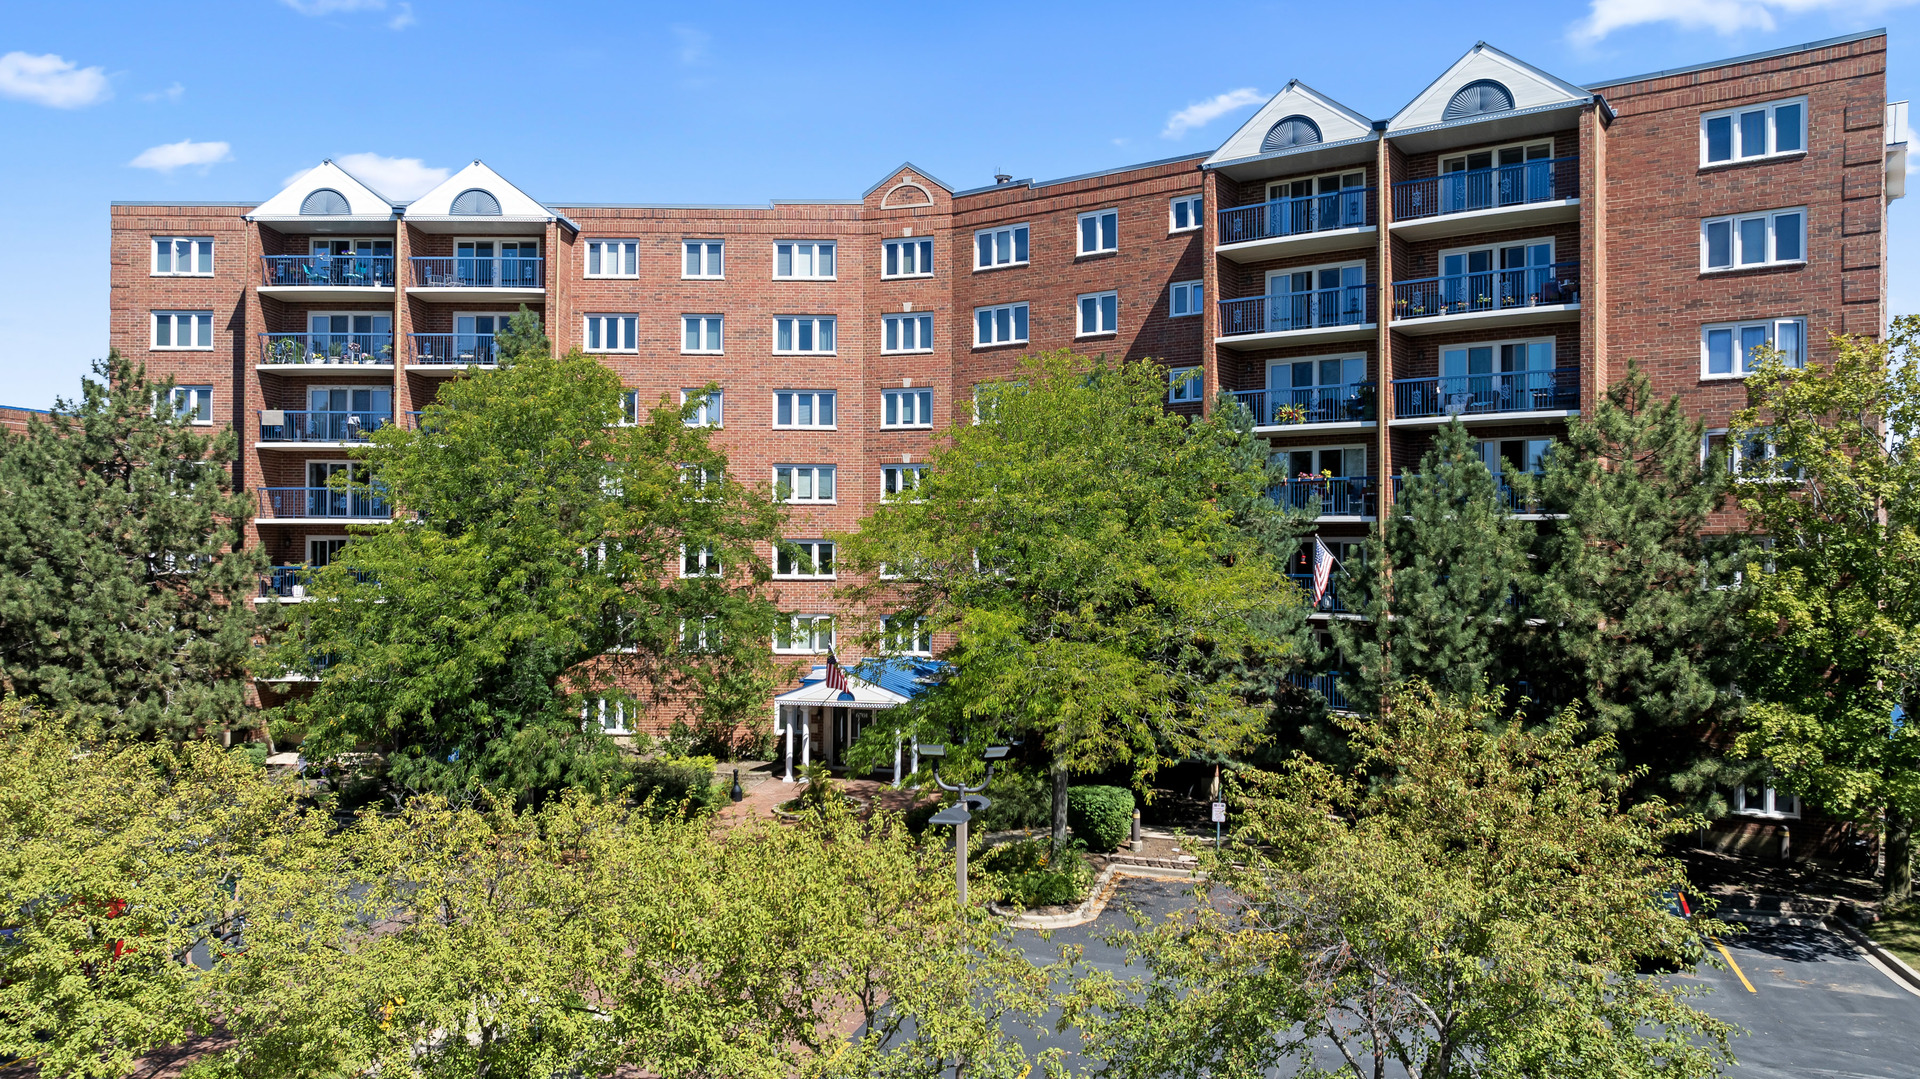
1289,132
474,202
1476,98
325,201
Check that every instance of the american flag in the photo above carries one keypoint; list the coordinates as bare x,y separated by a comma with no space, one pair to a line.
1322,570
836,678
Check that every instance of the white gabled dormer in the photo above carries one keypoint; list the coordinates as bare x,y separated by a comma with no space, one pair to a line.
1485,82
326,198
477,199
1296,118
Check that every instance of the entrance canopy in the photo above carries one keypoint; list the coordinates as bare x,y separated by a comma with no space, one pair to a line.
871,683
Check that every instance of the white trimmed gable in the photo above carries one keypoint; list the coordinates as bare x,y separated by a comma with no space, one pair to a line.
1529,86
1336,122
362,201
513,202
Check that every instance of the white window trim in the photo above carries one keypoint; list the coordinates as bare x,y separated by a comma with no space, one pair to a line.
595,719
813,555
1773,325
774,472
1733,223
897,316
1338,177
1362,263
775,332
918,471
153,331
1079,330
915,631
1440,353
921,424
1009,229
811,619
625,396
834,276
1735,455
1440,261
893,241
1523,146
719,395
773,401
194,420
1175,386
1770,107
1199,205
1193,289
1365,451
1079,234
603,350
586,259
709,561
1287,362
721,276
1010,342
685,351
153,256
1770,798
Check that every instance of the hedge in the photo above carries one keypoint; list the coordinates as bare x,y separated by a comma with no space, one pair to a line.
1102,816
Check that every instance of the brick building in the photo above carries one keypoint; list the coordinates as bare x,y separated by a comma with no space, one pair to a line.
1497,249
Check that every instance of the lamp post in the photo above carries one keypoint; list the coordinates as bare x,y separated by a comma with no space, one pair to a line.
960,812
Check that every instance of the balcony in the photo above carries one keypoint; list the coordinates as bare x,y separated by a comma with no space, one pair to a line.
286,583
286,426
1352,404
466,278
326,353
1483,200
1327,686
1298,226
450,353
1490,298
1510,395
1345,313
1331,603
1509,496
325,278
1337,496
294,505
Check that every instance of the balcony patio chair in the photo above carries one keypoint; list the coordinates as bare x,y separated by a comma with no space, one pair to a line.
316,273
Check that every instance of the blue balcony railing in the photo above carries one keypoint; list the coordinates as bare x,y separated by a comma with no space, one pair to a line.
1557,390
282,580
1331,603
1350,305
328,271
1486,189
1327,685
1490,290
1508,494
1346,209
327,348
320,426
297,503
452,348
1337,496
434,271
1351,402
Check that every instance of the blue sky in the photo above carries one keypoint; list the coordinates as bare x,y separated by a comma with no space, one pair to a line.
634,102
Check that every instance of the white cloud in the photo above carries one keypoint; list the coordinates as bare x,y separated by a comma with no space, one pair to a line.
1205,112
690,44
171,93
52,81
403,178
182,154
1724,16
334,7
402,18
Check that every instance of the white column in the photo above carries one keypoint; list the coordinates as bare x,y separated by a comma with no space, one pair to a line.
784,723
896,758
806,738
916,761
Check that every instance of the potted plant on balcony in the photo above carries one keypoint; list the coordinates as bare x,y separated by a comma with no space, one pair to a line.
1289,413
285,350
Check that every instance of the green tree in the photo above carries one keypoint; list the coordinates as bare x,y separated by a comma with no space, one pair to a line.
1100,565
1829,475
124,604
1639,627
540,572
1472,898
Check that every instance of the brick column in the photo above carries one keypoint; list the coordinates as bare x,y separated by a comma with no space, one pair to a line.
1596,372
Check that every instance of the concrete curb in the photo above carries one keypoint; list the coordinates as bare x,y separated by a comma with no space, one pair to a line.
1096,901
1896,970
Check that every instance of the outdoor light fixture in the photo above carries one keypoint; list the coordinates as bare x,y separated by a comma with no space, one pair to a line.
962,811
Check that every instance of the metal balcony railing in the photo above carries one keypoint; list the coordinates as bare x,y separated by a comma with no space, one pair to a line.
432,271
320,426
1327,685
1546,180
1346,209
295,503
445,348
328,271
1346,403
283,580
1557,390
1331,603
1509,495
1490,290
1338,496
1350,305
328,348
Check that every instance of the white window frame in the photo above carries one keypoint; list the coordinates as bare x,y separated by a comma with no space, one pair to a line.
792,623
1187,293
195,320
813,473
706,254
922,396
1342,448
1016,237
199,245
709,564
1735,142
1101,305
892,480
629,409
1769,806
1739,366
707,322
1188,392
192,401
814,555
831,246
622,250
596,719
1734,240
828,322
1194,205
891,330
712,411
618,321
921,246
1013,323
1737,454
1106,232
915,635
831,397
1317,182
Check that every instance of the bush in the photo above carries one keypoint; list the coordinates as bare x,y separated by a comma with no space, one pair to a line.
1028,874
819,790
1019,799
1102,816
676,785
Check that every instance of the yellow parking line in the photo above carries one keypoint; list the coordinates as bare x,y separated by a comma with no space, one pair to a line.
1728,956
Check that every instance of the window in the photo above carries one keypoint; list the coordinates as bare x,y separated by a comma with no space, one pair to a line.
907,333
629,408
803,558
707,410
1289,132
1005,324
183,329
701,634
1184,214
182,256
613,258
1727,349
1099,313
703,258
699,562
1759,800
608,717
194,402
1334,295
803,483
811,408
1729,243
1183,299
701,333
903,634
1183,385
1503,456
899,479
907,258
803,633
1753,457
1099,232
611,333
1000,247
798,334
803,261
1753,131
701,479
1485,277
906,408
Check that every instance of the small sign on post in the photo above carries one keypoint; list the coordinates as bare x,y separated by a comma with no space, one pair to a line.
1219,818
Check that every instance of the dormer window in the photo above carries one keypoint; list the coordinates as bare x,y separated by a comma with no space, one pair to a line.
475,202
1290,132
326,202
1478,98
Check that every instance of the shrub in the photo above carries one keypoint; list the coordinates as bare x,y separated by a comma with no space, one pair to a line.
1029,874
818,791
1019,798
675,784
1103,816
